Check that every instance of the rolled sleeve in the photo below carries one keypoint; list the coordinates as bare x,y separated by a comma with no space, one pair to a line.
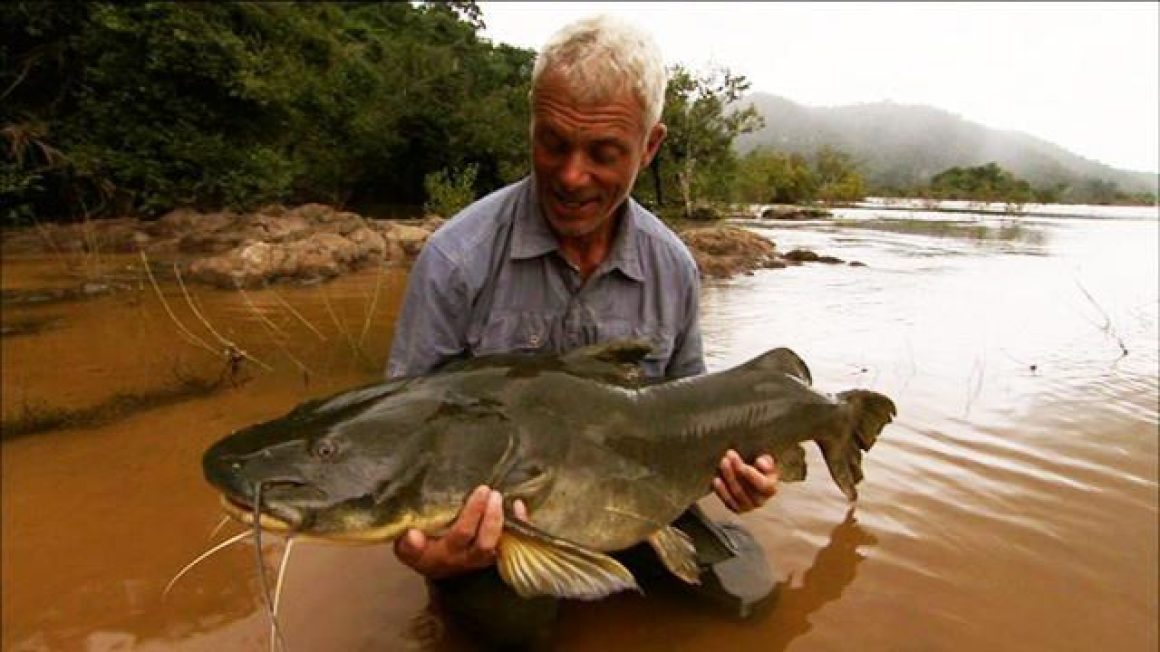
432,325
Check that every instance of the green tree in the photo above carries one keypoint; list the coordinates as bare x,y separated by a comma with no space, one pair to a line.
983,183
768,176
702,124
141,107
837,176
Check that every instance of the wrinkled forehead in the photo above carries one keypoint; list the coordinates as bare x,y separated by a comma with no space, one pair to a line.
587,89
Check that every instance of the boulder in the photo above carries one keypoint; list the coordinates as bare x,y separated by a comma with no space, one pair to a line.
801,256
409,238
275,228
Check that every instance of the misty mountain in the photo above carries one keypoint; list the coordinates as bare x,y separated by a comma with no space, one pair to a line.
904,145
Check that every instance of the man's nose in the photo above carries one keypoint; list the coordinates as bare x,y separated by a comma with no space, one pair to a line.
574,172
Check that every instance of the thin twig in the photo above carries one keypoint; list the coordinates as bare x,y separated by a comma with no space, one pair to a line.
371,309
165,304
305,322
1107,328
342,328
274,334
257,313
230,346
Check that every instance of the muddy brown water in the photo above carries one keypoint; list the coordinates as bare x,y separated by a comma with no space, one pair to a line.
1012,506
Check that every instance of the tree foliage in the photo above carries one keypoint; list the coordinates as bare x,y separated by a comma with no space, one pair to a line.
986,183
766,175
697,159
111,108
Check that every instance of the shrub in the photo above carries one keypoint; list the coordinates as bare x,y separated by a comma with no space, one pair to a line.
450,191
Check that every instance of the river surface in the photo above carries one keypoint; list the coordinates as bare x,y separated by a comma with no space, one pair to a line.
1011,506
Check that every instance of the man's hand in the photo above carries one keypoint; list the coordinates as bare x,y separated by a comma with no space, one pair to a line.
469,544
743,487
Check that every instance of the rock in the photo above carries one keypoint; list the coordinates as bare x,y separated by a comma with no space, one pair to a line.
830,260
370,244
223,271
178,220
410,238
315,213
801,256
857,263
276,228
789,212
274,210
346,223
208,243
432,222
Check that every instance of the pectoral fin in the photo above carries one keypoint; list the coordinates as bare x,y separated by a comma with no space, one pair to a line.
791,464
535,563
676,551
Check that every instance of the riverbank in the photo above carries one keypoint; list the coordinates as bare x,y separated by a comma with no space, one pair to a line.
312,243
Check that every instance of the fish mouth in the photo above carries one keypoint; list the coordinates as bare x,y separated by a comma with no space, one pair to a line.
288,523
271,518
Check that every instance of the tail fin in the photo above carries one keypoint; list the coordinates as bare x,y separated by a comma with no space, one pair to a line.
868,412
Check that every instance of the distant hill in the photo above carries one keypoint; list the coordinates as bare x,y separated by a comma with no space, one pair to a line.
904,145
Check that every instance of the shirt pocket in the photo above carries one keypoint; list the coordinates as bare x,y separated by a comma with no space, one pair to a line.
514,332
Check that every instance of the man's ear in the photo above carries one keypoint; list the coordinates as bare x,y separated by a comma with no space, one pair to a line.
656,136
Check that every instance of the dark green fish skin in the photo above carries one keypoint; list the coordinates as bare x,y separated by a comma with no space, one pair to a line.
601,462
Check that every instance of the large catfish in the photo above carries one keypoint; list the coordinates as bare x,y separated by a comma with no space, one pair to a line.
601,462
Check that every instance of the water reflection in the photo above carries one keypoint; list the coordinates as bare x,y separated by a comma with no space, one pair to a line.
832,571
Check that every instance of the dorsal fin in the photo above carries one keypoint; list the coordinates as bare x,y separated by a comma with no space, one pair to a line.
785,361
616,362
613,352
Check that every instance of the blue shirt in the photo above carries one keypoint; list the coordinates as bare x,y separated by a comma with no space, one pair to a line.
492,280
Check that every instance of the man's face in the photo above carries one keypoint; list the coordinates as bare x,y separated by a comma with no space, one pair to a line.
586,156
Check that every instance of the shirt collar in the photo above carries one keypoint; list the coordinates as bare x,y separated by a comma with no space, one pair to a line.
533,237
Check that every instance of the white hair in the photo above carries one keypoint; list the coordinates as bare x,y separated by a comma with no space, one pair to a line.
602,56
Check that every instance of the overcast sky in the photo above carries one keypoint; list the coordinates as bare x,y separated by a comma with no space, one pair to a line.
1083,76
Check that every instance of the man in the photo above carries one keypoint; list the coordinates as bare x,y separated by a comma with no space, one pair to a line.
561,260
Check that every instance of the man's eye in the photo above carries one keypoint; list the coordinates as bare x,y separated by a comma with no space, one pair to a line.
606,154
553,143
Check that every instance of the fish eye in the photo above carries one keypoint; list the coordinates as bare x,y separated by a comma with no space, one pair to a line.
325,449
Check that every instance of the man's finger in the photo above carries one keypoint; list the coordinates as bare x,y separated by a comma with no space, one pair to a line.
759,483
410,547
491,525
723,493
766,464
520,510
729,473
465,527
